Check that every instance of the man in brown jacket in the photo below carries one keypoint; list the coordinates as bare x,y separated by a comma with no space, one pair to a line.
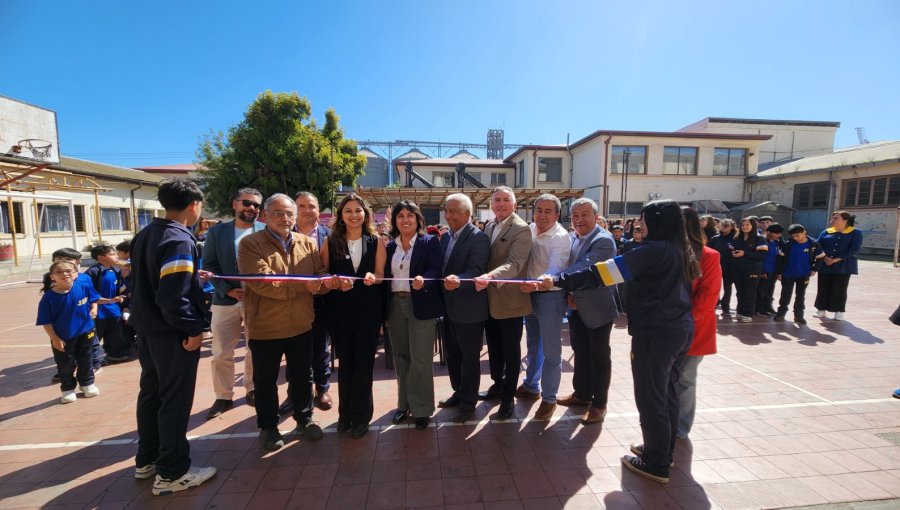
510,248
279,317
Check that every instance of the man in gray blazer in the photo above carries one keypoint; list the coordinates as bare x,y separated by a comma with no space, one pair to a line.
220,257
591,314
465,250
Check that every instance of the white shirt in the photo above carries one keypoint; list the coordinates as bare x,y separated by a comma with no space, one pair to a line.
355,249
499,227
400,263
240,233
549,251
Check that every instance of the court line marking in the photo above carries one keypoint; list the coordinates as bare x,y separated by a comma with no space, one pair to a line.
482,422
760,372
22,346
17,327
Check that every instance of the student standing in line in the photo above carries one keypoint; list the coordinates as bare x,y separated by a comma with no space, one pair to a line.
749,249
723,242
765,292
108,282
660,324
796,264
840,243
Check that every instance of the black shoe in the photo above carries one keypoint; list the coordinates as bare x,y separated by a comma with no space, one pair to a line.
271,439
251,398
453,401
505,412
637,465
493,392
342,426
359,431
310,431
112,360
798,318
219,406
771,311
764,313
778,318
286,407
400,416
463,416
422,422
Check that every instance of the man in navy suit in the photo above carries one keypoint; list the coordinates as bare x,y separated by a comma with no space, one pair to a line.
308,225
465,250
591,314
220,257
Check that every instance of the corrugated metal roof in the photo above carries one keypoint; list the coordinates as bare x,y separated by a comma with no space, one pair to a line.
104,171
857,155
413,154
369,154
463,154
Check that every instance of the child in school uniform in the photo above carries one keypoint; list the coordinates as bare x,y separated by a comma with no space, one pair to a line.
65,312
765,291
107,279
73,256
796,264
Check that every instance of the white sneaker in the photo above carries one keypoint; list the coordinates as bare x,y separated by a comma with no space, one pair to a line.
838,316
194,477
820,314
67,397
144,472
744,318
90,390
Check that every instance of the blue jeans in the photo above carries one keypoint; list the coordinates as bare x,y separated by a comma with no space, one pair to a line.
544,342
686,390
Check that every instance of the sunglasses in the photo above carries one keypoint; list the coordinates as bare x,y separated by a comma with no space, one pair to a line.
250,203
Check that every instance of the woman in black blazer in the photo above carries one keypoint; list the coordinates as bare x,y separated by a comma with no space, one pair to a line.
355,315
412,307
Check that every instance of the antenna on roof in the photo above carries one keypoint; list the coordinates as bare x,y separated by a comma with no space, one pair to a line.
861,134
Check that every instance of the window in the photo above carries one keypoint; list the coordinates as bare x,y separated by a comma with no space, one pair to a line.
730,162
17,218
680,161
813,195
498,178
873,192
114,219
444,179
144,217
631,208
632,157
55,218
549,170
520,179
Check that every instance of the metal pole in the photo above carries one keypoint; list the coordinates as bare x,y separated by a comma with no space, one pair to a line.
897,239
12,225
97,216
37,229
74,225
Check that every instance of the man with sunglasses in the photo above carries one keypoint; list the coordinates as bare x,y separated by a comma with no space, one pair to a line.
220,257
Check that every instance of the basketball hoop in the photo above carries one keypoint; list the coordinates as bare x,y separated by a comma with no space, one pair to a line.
40,149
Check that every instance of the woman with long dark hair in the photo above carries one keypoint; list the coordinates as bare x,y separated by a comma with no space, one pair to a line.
747,253
660,272
704,294
840,243
355,315
723,242
412,308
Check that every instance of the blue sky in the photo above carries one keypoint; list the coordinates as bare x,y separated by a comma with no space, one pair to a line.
138,83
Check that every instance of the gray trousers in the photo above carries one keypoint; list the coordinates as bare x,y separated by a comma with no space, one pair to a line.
686,390
412,341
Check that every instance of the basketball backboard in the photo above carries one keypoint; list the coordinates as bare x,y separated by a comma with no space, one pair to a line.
25,131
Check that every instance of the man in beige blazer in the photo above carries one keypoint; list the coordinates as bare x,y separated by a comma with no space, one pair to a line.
510,248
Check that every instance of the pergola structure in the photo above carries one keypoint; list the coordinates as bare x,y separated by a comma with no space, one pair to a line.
378,198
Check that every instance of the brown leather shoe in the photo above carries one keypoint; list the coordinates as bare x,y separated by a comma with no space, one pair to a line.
594,415
572,400
523,392
545,411
323,401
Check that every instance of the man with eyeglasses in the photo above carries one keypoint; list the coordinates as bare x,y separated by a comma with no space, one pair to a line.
220,257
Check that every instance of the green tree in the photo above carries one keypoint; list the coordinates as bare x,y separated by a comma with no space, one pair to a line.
278,148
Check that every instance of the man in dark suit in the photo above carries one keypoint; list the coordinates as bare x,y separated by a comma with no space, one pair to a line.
465,249
591,314
220,257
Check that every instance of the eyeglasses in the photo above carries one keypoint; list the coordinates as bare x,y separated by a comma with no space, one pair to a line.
282,214
250,203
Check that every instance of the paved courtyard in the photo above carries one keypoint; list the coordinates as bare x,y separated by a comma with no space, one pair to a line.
787,416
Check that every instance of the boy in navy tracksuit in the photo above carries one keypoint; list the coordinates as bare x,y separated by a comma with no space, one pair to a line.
796,264
167,312
765,291
108,283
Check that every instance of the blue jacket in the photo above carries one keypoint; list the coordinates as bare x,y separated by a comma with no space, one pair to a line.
842,245
468,259
596,307
167,296
219,257
425,262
